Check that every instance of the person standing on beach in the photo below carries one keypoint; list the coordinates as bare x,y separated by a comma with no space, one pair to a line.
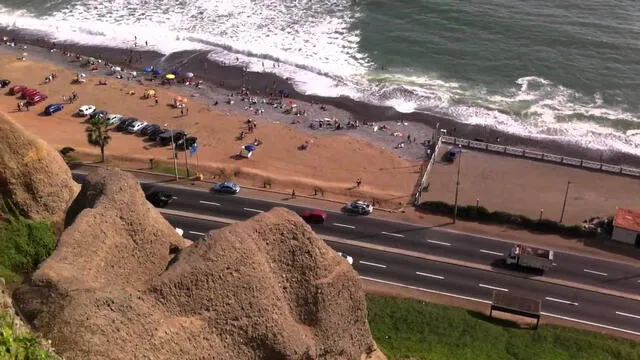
19,106
358,182
181,111
156,99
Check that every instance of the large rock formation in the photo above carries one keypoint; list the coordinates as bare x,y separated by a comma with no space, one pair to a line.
267,288
33,176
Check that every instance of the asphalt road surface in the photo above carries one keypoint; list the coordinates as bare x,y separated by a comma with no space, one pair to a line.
432,241
559,301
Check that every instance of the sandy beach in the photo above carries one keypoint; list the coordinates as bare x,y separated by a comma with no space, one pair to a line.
333,161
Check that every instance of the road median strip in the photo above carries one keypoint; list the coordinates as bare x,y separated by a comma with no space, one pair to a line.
428,257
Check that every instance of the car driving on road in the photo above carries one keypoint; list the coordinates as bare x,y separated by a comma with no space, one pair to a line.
159,199
359,207
348,258
314,216
226,187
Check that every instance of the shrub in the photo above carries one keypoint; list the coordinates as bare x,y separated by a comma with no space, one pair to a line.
19,346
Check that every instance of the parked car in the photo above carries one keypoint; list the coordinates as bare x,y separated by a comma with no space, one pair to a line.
29,93
114,119
86,110
226,187
125,123
348,258
53,108
153,135
314,216
165,138
136,126
149,128
98,113
159,198
4,83
359,207
17,89
186,143
37,99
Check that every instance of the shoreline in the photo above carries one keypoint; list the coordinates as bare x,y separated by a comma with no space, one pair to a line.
229,78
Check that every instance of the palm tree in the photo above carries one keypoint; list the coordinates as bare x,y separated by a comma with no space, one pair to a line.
97,133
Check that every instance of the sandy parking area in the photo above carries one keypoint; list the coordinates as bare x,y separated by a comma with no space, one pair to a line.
525,187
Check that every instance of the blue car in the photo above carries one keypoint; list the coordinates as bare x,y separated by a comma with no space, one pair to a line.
53,108
226,187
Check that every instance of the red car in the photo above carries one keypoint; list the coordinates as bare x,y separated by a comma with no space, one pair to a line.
18,89
29,93
314,216
36,99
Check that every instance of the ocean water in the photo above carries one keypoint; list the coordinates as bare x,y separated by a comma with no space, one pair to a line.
566,69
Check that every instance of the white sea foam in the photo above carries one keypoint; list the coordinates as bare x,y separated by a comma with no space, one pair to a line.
314,44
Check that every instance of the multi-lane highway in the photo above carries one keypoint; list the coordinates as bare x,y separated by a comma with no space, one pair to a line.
436,277
433,241
572,303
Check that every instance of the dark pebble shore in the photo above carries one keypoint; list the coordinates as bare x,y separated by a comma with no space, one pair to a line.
230,78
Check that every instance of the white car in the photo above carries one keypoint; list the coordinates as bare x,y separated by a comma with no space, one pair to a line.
113,119
86,110
137,126
359,207
346,257
179,231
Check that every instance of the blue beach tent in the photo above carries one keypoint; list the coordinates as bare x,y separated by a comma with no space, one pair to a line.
157,72
148,69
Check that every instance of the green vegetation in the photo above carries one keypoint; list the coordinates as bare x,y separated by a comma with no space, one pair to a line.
412,329
481,214
25,244
165,169
15,346
98,134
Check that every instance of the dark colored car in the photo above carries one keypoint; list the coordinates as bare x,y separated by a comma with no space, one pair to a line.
159,198
4,83
186,143
29,93
53,108
125,123
153,135
165,138
314,216
148,129
17,89
95,114
36,99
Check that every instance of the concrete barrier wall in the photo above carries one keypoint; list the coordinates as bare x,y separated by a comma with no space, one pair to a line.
592,165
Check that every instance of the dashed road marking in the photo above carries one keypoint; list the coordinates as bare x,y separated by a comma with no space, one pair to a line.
196,233
562,301
372,264
627,314
430,275
254,210
492,252
439,242
492,287
392,234
209,203
595,272
343,225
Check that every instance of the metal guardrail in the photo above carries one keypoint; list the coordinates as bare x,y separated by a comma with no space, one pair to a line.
534,155
424,175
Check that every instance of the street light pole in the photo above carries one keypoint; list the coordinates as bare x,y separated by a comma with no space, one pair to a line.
186,162
564,204
455,206
175,157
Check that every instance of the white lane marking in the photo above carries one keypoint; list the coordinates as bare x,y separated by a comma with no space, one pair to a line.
492,287
627,314
489,302
343,225
492,252
430,275
392,234
372,264
196,233
209,202
562,301
439,242
595,272
254,210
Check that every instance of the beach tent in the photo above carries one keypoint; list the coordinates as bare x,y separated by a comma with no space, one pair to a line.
175,72
157,72
148,69
247,151
283,92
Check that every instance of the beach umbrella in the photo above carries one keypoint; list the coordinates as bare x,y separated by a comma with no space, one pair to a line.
157,72
170,76
283,92
175,72
24,54
148,69
188,75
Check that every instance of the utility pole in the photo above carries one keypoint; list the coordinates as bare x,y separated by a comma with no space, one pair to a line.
564,204
186,162
455,206
174,154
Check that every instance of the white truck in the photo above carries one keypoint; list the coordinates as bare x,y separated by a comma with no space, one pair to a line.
530,257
